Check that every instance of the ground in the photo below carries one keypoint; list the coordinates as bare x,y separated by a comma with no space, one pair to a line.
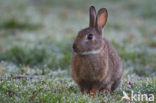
36,37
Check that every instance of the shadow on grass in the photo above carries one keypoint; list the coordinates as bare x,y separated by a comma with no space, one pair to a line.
15,24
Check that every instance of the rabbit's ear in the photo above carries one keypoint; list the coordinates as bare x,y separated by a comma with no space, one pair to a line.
101,19
92,14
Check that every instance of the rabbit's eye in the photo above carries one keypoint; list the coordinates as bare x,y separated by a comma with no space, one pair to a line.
90,36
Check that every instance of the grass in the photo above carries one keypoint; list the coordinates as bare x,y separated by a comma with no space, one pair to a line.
36,38
14,24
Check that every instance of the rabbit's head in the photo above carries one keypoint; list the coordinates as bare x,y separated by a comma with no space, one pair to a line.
89,40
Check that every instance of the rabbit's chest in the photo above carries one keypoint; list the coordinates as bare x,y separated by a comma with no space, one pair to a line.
91,71
90,68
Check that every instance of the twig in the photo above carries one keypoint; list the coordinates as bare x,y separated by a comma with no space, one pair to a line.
25,77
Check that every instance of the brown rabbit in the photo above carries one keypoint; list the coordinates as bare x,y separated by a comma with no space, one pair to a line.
96,65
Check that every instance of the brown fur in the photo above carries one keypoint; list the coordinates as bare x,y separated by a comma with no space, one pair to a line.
95,71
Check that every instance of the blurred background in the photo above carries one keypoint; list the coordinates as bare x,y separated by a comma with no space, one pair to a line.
39,33
36,38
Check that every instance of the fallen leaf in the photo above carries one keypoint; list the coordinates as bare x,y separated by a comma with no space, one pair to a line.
63,15
154,31
27,68
131,37
40,101
103,101
92,93
153,44
126,76
33,96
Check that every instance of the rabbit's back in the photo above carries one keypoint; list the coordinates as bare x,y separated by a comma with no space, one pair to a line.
114,61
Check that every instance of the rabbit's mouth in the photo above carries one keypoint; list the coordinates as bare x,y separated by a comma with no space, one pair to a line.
92,52
75,49
86,51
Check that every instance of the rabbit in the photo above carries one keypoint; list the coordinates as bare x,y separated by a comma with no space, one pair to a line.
96,65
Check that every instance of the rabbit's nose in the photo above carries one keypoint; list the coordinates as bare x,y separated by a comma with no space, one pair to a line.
74,47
